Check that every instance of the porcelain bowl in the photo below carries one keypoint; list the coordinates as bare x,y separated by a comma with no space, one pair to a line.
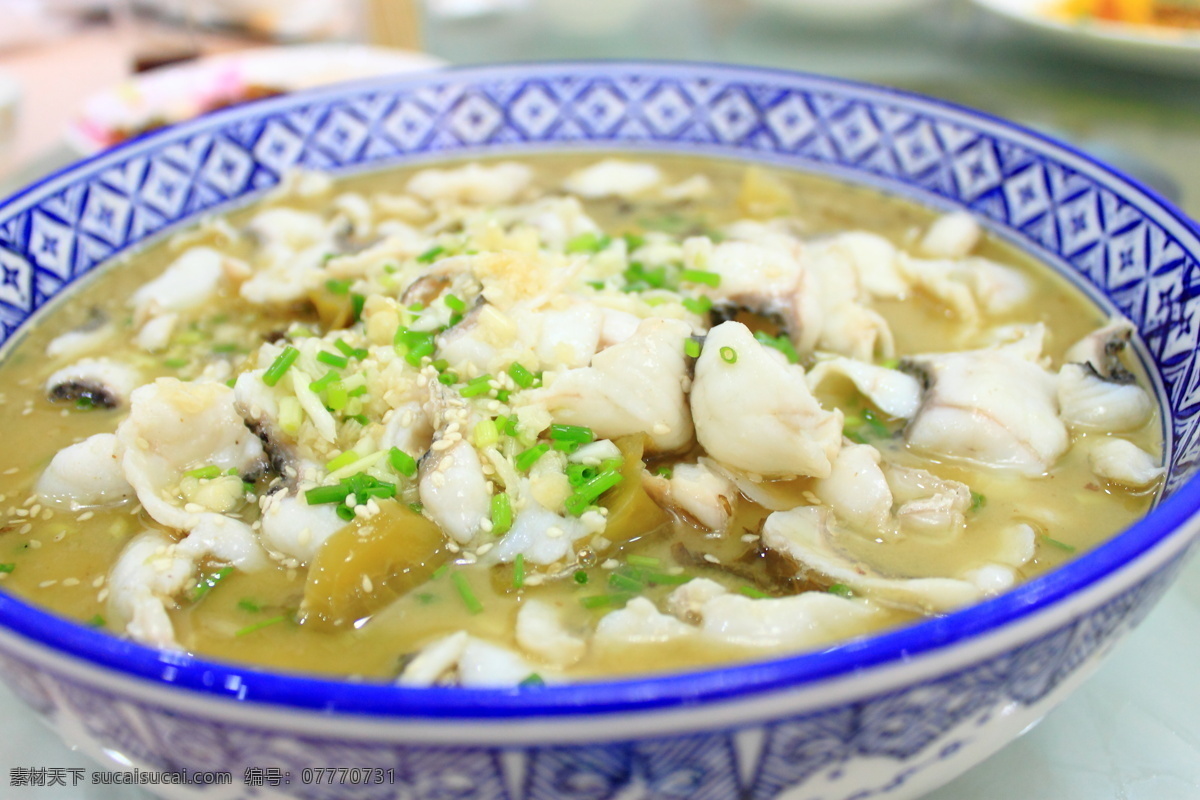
891,716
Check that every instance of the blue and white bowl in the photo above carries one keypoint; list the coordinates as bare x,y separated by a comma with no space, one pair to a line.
891,716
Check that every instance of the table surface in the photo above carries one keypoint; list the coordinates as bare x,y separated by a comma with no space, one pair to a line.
1133,731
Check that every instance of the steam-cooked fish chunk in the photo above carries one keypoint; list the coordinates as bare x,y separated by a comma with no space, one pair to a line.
632,387
952,235
454,490
1089,402
295,529
805,535
101,382
190,281
754,411
1123,462
799,621
88,337
142,584
639,622
541,633
476,184
540,535
995,407
85,474
893,392
1102,349
927,503
464,660
614,177
857,490
698,492
173,427
153,570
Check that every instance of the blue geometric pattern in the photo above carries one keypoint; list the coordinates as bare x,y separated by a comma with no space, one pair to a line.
916,727
1111,238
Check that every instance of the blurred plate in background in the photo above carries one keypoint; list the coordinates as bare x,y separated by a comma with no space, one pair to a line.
1157,47
172,94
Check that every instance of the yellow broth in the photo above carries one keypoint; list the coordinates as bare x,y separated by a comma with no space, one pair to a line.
59,559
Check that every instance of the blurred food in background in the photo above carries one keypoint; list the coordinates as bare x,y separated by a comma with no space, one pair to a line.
172,94
1165,13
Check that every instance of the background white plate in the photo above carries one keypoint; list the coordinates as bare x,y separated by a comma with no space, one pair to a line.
1165,49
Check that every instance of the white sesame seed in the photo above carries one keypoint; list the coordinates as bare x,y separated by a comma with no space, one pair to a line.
710,558
70,582
47,584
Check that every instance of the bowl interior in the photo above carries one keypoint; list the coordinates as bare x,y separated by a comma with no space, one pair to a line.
1128,249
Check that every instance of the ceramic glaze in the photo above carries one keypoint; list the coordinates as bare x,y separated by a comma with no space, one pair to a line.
891,716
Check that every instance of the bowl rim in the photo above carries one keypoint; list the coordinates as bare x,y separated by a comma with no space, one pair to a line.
305,691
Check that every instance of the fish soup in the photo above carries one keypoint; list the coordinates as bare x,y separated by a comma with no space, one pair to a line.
508,423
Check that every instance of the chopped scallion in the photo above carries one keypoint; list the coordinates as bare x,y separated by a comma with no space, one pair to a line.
691,348
280,365
454,303
521,376
402,462
260,625
246,604
332,359
643,561
321,495
527,458
204,473
728,355
1066,548
502,516
589,242
8,567
205,584
533,680
336,396
466,593
344,460
572,433
587,493
322,382
477,386
700,276
485,434
429,255
841,590
338,286
518,571
781,343
753,592
699,305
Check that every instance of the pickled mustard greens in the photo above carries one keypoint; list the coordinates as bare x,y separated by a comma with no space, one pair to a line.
569,418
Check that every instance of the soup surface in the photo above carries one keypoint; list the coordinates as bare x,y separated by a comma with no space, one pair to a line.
498,424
